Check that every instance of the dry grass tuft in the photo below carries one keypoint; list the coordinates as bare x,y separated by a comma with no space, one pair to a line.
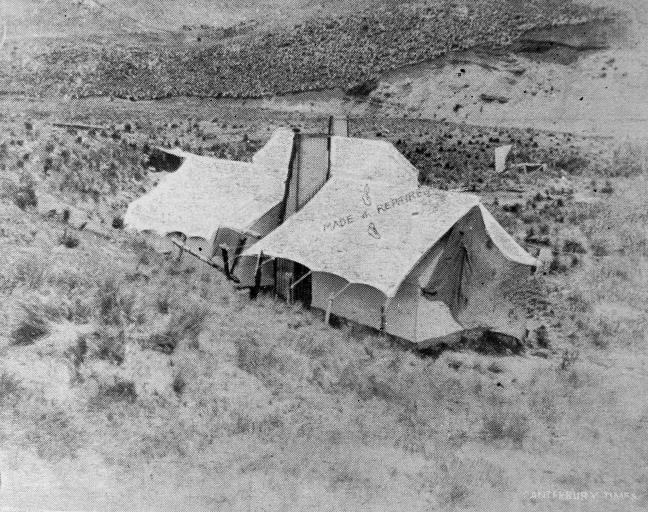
179,383
120,390
164,299
455,494
108,344
11,389
23,195
68,240
115,306
30,271
503,419
55,434
32,326
184,325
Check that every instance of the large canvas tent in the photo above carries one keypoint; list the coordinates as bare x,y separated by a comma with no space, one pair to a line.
418,263
341,224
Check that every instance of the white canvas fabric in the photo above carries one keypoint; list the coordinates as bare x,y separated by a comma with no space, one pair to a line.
373,246
370,161
376,241
501,154
207,193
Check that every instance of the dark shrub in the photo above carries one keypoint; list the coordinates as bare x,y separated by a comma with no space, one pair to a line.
31,327
24,196
120,390
68,240
573,246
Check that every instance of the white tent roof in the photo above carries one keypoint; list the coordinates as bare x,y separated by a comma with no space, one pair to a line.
206,193
370,160
378,243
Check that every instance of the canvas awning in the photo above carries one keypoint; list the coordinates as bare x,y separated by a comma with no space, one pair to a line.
374,233
207,193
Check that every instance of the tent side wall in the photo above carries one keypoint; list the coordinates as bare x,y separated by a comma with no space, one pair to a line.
245,269
357,302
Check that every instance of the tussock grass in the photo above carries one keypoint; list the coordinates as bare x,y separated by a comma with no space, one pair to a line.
115,305
29,271
503,419
68,240
164,299
23,195
11,389
184,325
120,390
118,223
454,494
61,307
302,390
55,434
108,344
32,325
179,383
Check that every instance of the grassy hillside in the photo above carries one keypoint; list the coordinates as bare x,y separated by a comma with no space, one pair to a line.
28,18
169,389
348,51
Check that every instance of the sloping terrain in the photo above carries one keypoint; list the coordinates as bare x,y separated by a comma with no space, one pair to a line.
130,380
586,78
347,51
62,18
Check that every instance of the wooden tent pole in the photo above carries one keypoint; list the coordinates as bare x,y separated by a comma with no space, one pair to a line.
181,246
327,316
332,297
301,279
416,319
254,291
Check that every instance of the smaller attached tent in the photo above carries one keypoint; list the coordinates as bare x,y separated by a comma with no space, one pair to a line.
418,263
216,204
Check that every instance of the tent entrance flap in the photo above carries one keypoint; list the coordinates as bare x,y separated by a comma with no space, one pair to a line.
451,276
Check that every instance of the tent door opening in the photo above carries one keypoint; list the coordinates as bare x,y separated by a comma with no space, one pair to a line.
450,279
293,282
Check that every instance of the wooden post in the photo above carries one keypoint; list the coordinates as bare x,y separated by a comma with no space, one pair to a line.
416,319
290,290
254,291
327,316
332,297
225,260
181,247
300,279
